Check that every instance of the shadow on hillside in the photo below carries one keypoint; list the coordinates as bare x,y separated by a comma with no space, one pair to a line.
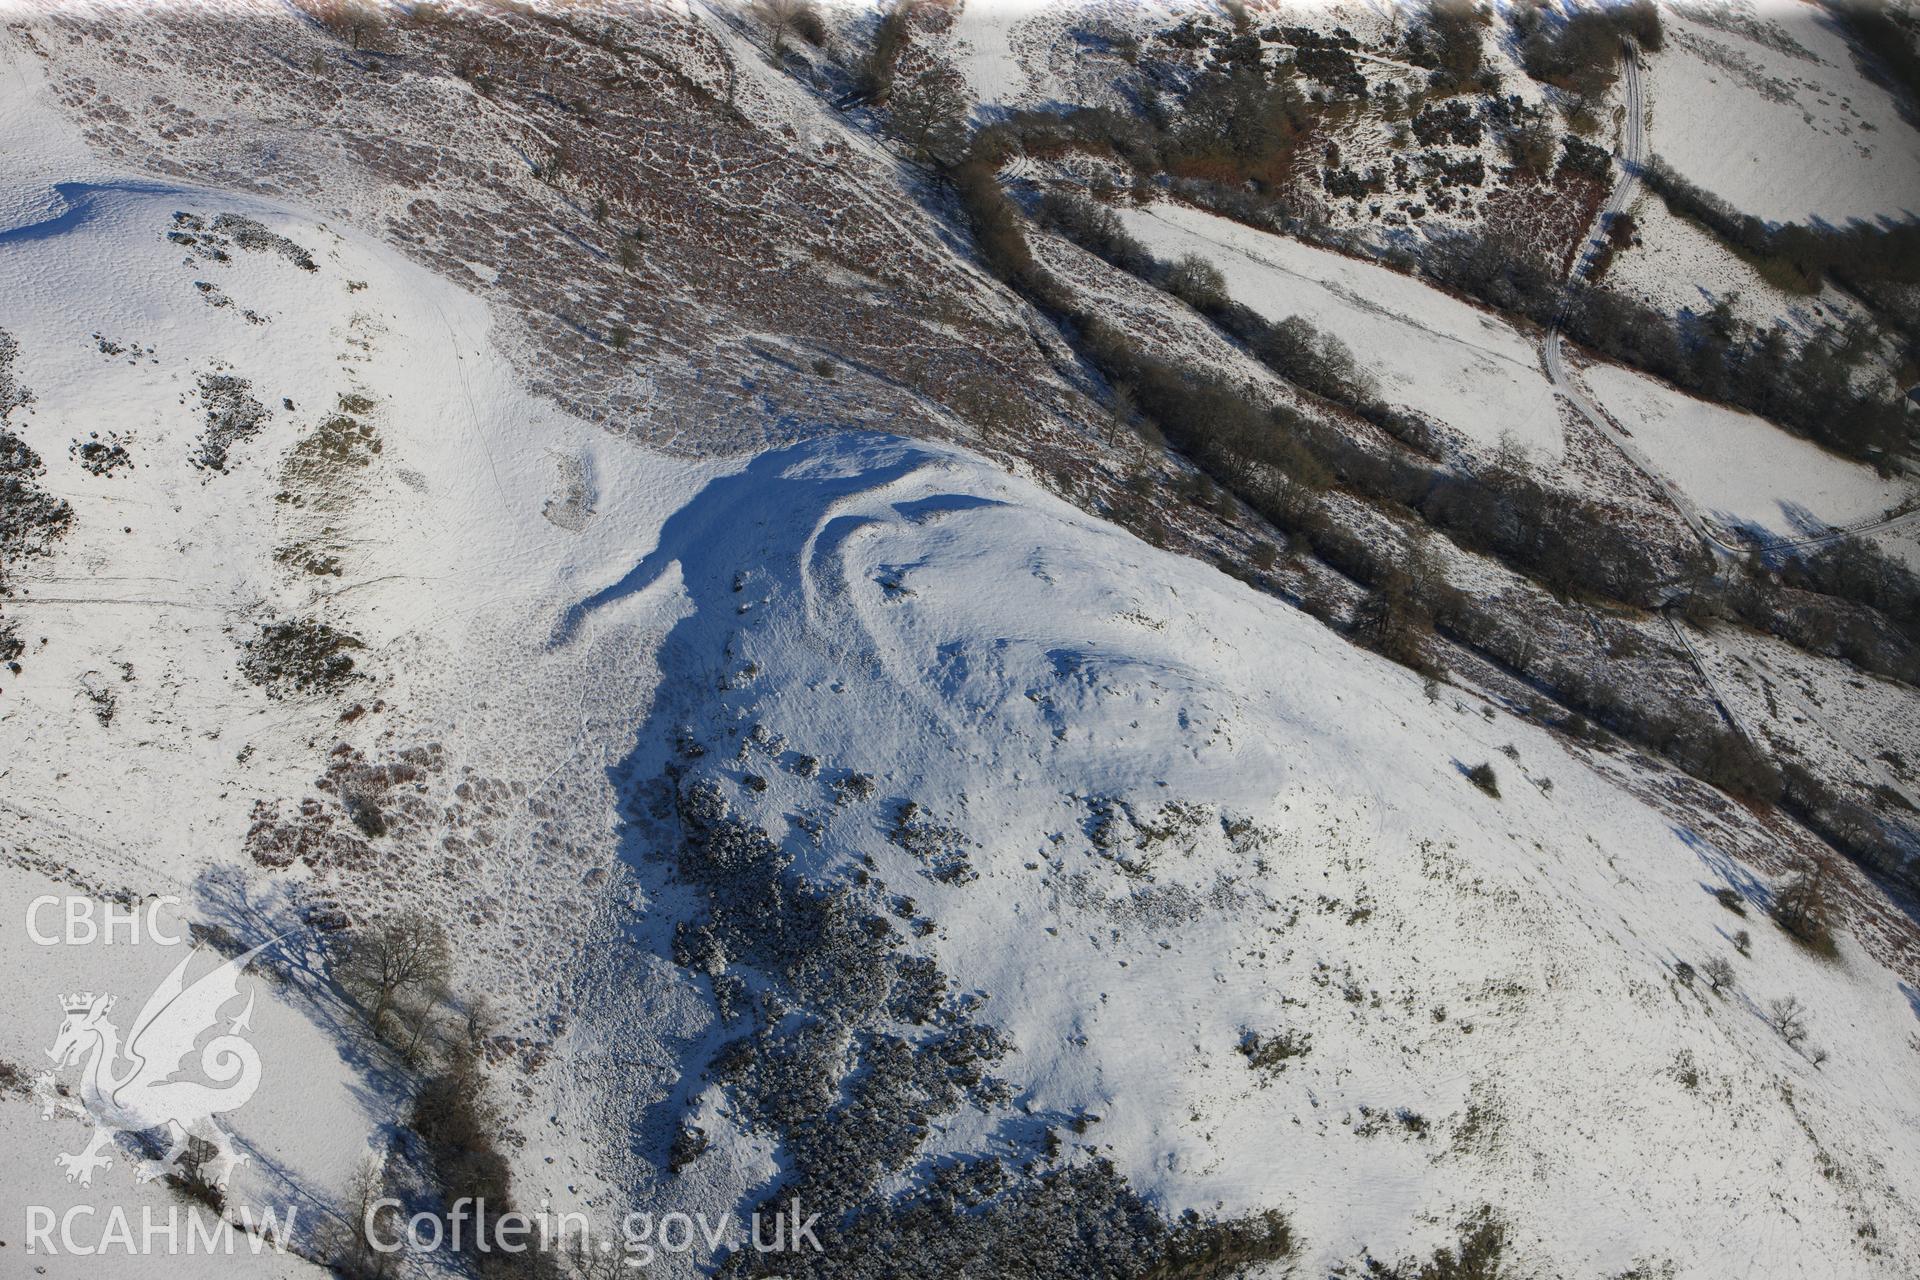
757,543
81,200
725,532
236,915
1728,871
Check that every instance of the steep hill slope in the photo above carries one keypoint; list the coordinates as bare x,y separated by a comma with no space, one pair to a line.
820,796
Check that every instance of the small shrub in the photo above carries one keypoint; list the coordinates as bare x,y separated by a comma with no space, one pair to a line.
1483,777
104,704
853,786
301,656
364,812
1731,899
1272,1053
689,1143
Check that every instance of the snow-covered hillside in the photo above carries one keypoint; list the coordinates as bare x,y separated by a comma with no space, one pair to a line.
823,787
1149,816
1158,809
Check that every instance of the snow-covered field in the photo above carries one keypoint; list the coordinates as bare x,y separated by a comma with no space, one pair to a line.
1681,269
1438,355
1797,133
1742,471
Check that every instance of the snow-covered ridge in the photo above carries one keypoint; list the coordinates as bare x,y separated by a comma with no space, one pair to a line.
1150,866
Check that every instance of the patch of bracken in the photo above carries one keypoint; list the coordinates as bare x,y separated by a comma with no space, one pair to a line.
250,235
300,656
232,416
313,835
101,457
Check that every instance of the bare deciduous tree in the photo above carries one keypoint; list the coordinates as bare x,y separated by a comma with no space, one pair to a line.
1719,973
1801,903
480,1021
783,18
1787,1016
353,1251
401,955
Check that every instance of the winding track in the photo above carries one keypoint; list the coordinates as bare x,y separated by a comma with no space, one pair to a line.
1632,156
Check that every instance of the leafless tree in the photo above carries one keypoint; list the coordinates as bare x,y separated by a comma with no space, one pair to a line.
480,1021
398,956
1786,1015
1801,903
783,18
353,1252
1719,973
